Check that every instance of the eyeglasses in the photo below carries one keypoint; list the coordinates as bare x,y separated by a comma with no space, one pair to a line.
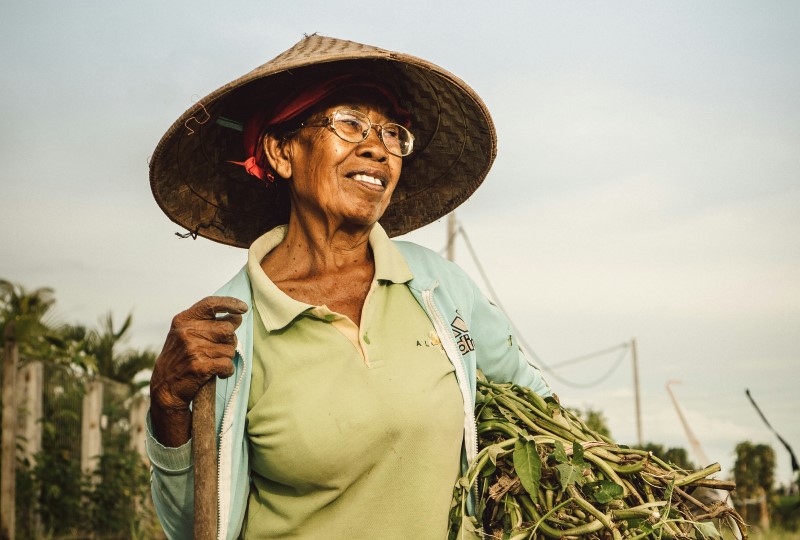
354,126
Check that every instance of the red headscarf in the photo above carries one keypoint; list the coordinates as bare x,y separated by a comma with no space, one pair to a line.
294,106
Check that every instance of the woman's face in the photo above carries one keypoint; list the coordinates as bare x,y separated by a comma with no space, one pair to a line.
347,184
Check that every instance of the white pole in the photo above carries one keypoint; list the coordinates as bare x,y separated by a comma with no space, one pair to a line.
636,393
9,439
451,236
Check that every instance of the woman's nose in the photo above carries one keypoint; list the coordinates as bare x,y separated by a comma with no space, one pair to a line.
373,146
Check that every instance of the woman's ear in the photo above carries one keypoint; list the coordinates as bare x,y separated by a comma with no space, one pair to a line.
278,154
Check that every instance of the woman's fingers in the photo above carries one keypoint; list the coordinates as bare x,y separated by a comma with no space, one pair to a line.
200,345
210,306
201,334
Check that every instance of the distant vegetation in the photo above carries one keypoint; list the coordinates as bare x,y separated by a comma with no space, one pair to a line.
54,498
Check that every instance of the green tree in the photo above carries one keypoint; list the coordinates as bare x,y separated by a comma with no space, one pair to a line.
26,310
754,473
754,469
57,498
676,455
594,419
99,351
118,365
68,345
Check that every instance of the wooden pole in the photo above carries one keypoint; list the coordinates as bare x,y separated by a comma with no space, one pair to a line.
204,453
9,440
636,393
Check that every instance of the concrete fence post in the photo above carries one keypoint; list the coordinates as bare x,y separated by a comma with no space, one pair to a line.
30,385
91,438
139,408
9,439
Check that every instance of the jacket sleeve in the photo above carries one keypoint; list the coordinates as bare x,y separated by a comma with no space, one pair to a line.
499,355
172,486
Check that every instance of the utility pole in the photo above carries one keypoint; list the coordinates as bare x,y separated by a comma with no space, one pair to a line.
636,393
701,456
693,442
451,236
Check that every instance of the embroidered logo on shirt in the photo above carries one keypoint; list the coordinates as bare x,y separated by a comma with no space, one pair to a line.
432,341
461,334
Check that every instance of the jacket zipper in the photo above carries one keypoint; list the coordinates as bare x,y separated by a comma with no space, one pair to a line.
470,429
223,429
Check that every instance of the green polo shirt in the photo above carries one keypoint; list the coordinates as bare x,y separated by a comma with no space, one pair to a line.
354,432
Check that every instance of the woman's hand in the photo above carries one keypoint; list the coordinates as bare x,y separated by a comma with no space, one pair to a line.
200,345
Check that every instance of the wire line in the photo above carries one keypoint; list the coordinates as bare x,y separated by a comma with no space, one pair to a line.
525,345
589,356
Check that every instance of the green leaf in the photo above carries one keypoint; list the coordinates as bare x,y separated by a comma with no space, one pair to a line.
558,416
668,491
553,407
494,451
559,453
604,491
468,529
508,415
634,523
707,529
577,453
569,473
640,525
528,466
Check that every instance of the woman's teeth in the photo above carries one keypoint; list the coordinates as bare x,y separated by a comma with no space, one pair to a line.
367,179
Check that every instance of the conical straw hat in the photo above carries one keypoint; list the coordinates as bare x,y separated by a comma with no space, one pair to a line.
197,186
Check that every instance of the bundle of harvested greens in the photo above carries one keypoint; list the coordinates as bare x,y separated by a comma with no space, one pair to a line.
542,473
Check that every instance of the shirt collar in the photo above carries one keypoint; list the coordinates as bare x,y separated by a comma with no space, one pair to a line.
390,265
277,309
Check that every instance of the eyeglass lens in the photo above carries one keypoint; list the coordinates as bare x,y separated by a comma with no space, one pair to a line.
354,126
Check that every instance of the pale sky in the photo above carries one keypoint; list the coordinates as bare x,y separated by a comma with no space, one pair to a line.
646,184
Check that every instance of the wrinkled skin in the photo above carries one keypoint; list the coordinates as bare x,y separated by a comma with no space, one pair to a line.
324,259
199,346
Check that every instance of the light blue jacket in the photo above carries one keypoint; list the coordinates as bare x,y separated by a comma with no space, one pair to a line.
473,332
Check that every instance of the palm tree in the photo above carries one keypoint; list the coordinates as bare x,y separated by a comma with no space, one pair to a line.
97,351
68,345
25,310
121,366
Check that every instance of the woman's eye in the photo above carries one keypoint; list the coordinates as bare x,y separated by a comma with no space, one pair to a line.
350,123
391,132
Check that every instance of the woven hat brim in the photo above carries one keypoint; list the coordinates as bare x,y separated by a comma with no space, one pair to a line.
195,184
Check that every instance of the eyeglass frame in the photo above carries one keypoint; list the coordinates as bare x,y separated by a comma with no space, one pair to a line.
327,122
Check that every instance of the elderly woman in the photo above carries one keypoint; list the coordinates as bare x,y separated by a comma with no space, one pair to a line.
346,361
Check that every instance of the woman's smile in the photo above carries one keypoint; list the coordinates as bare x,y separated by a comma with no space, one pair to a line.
369,179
